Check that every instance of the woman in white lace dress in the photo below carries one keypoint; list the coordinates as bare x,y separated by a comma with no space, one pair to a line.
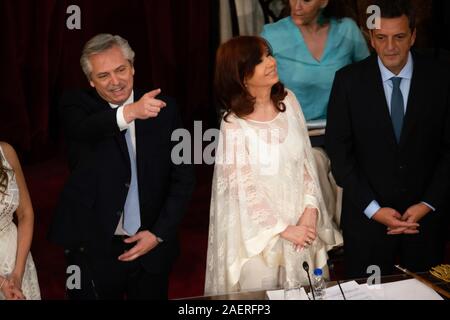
267,214
18,279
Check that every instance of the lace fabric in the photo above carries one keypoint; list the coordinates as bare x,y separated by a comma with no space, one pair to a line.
8,238
264,178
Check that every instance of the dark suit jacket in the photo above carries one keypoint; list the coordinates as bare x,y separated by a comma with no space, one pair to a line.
365,157
93,198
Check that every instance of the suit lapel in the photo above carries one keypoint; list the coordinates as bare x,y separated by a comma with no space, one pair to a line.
120,136
140,143
121,141
378,98
140,151
418,84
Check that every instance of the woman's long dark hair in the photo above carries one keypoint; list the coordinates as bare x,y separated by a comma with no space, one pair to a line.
236,60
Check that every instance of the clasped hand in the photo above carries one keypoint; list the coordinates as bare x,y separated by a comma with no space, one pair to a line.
397,223
304,233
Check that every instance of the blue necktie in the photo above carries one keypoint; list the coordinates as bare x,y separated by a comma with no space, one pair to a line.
397,107
132,212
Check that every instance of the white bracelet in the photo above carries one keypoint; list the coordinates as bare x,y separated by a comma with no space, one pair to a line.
3,282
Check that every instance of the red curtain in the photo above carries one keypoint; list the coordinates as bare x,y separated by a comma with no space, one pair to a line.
40,57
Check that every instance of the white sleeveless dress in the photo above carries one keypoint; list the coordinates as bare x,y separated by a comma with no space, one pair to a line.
8,238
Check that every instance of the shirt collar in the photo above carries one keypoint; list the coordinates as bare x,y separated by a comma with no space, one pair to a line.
406,72
129,100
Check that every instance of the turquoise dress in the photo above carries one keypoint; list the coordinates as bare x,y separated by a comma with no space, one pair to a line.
309,79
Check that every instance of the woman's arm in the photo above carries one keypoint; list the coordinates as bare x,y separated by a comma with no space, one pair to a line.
310,214
25,218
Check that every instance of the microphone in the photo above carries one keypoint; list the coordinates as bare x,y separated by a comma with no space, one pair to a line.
306,268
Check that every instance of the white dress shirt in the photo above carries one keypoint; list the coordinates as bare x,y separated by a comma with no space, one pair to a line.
406,75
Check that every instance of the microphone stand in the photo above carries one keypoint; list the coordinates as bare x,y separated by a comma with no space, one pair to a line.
340,288
338,282
306,268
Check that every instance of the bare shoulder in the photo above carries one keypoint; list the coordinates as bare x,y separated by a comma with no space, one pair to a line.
7,148
10,154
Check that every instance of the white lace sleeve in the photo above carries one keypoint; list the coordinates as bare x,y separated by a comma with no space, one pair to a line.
311,189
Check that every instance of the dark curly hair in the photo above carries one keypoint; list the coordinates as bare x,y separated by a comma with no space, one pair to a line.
235,61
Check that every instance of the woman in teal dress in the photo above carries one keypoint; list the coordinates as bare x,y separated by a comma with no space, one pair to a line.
312,44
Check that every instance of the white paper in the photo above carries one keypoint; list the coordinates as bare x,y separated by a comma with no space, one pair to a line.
411,289
352,291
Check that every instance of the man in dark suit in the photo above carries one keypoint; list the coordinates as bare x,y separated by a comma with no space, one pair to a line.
119,211
388,137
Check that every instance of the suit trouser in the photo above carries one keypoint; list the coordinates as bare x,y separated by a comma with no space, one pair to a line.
103,276
369,245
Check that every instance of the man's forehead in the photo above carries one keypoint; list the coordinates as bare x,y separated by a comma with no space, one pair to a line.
109,68
108,61
393,26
